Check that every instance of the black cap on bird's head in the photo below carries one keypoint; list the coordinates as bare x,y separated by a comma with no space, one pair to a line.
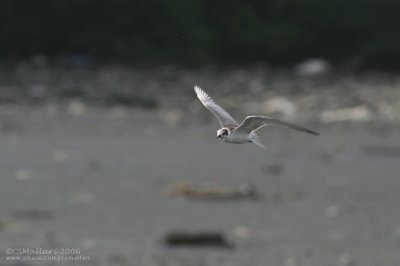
223,132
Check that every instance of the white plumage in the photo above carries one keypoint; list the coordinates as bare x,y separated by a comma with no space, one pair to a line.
233,132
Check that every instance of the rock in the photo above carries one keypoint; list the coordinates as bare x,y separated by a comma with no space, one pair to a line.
22,174
357,114
312,67
280,105
214,192
76,108
241,231
197,239
332,211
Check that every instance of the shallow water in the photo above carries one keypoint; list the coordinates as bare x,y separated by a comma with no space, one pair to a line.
100,182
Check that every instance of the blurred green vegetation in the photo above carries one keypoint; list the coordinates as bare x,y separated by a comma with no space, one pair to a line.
364,32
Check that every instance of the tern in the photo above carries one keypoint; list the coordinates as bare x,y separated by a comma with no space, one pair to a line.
233,132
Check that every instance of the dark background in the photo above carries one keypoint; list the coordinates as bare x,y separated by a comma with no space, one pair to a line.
360,33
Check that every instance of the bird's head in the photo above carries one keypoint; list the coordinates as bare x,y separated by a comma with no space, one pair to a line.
223,133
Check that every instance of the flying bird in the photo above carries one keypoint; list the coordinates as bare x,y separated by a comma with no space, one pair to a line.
233,132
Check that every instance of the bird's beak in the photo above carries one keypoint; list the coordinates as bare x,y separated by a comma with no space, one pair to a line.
218,136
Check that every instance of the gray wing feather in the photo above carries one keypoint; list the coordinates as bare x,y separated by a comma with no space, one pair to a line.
252,123
224,118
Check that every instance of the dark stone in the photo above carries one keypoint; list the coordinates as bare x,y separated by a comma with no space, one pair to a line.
197,239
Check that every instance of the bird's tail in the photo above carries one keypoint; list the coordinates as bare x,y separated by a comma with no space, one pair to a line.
256,140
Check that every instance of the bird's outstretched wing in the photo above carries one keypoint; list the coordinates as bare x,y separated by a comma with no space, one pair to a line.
224,118
252,123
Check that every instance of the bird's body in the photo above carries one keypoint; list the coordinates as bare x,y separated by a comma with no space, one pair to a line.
233,132
235,137
238,138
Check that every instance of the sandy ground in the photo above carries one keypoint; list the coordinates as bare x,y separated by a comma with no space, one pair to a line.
99,181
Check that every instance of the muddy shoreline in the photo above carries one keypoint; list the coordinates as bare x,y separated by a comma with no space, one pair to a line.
89,157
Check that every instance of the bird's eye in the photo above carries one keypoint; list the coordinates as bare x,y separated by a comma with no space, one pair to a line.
225,132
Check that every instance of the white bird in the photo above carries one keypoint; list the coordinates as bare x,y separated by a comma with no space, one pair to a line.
233,132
